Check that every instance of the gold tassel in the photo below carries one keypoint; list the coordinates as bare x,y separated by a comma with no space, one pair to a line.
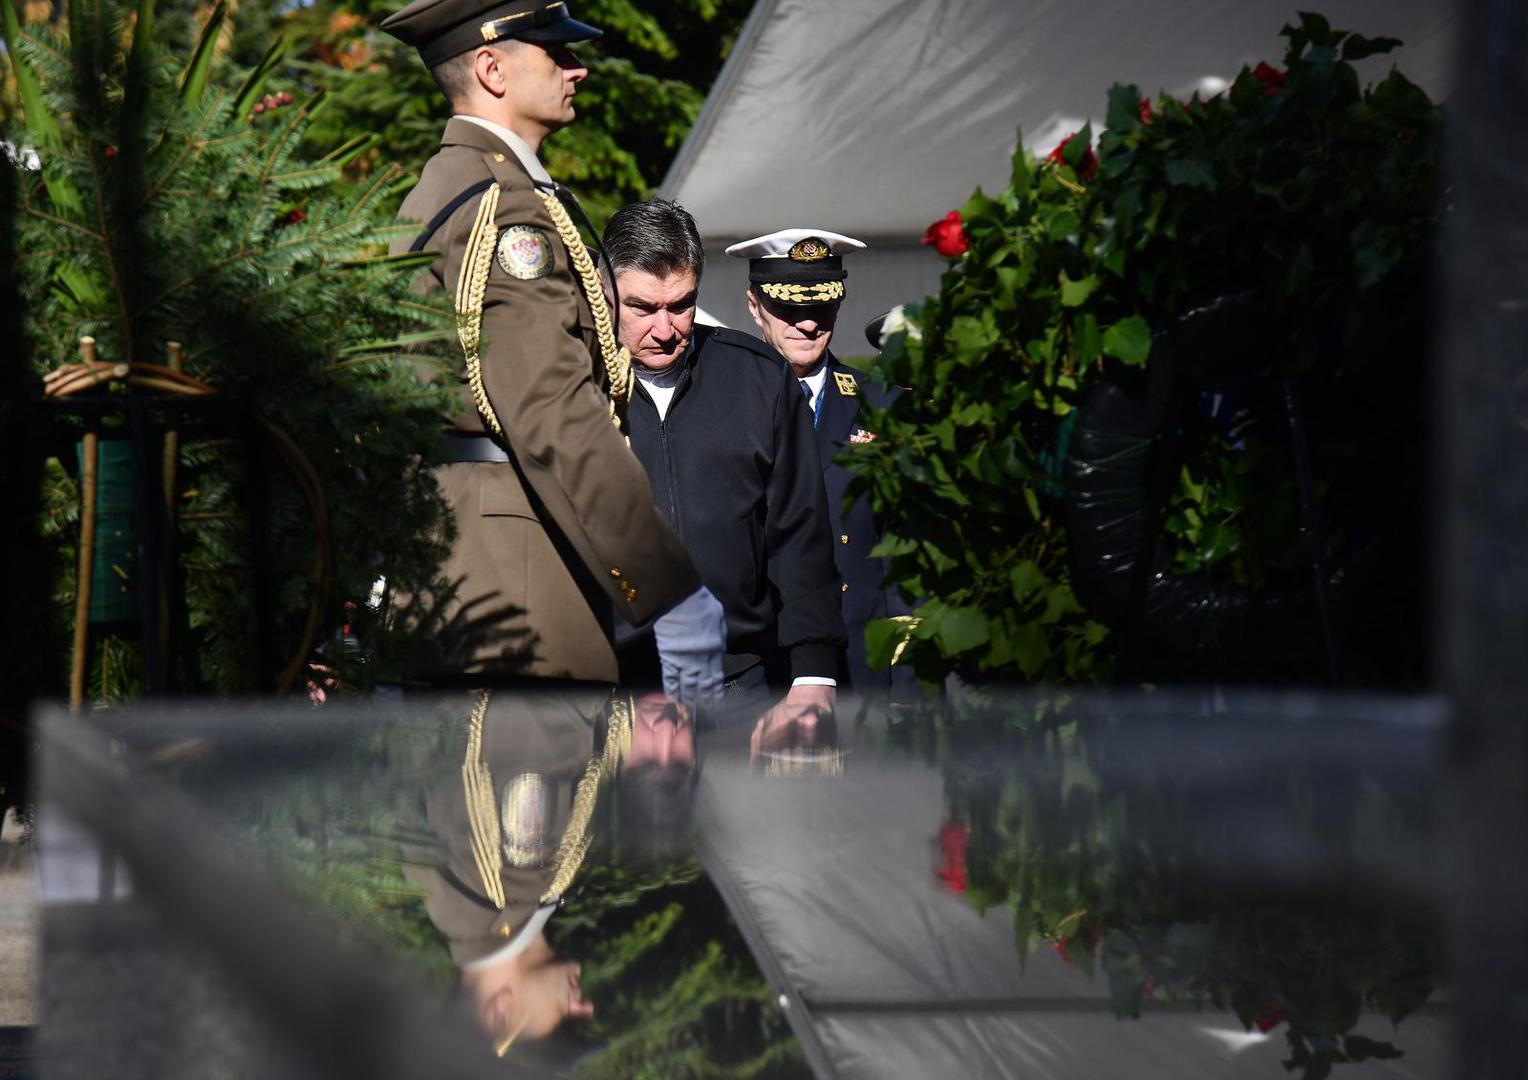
617,358
471,284
482,813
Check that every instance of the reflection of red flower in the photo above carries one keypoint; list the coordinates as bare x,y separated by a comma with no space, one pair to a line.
948,235
1271,78
1086,167
1087,933
954,838
1272,1016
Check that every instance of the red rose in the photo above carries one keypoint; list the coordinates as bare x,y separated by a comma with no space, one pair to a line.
1272,1017
110,151
948,236
1145,110
1271,78
954,838
295,216
1085,168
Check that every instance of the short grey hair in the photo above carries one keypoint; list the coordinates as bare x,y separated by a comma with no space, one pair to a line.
658,237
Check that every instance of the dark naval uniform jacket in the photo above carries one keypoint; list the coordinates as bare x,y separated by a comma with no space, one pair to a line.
734,469
562,527
854,529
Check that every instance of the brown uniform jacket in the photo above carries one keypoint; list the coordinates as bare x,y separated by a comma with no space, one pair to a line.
534,750
547,542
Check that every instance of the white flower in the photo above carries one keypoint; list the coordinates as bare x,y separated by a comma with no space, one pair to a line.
897,322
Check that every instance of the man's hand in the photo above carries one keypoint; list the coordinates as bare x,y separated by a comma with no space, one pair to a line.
799,718
691,637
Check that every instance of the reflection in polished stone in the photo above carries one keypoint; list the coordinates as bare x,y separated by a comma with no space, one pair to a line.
1169,886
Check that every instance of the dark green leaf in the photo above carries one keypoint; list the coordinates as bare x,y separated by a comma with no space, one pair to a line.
961,630
1356,46
1128,340
193,79
1074,293
1124,113
1190,172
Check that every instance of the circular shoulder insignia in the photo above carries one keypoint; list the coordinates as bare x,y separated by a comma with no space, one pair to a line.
525,252
525,815
811,249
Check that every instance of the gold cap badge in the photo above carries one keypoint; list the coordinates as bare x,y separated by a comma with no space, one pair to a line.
811,249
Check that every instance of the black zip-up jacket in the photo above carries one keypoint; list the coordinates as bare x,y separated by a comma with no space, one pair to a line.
734,469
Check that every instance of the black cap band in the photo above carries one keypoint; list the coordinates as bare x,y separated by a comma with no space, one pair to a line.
789,271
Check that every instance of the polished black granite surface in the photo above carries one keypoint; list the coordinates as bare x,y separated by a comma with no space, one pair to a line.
1171,885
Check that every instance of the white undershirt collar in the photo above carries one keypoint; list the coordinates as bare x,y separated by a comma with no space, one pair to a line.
815,381
517,944
660,385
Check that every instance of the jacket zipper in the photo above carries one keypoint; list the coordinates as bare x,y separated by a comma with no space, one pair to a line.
668,474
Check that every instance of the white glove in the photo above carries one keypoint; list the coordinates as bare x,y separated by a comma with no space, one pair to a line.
691,637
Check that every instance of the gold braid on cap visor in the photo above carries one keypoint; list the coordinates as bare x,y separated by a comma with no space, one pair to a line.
821,293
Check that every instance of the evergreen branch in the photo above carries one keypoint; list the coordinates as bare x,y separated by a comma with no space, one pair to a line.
281,145
191,143
107,254
53,219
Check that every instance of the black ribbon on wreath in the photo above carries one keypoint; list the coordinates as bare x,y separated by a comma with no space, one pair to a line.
1132,435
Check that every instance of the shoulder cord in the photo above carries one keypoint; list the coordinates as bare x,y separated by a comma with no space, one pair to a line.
617,359
483,812
472,283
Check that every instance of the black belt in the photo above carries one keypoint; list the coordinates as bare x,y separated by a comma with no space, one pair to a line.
460,446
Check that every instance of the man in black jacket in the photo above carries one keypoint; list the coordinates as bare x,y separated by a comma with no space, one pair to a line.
725,435
796,285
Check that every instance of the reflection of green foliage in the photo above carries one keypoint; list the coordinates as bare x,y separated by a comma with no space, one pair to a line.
1114,875
368,897
1316,194
675,991
161,214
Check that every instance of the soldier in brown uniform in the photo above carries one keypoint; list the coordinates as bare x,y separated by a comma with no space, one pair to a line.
556,528
512,811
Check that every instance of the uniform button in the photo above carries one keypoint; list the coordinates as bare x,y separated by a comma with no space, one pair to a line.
498,157
844,587
844,539
629,591
615,573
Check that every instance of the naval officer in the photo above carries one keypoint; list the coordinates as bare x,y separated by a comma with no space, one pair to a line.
796,286
555,525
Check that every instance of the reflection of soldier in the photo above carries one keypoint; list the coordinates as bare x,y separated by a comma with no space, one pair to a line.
514,823
554,517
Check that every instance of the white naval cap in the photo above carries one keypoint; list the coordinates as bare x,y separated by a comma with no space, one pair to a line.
798,266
